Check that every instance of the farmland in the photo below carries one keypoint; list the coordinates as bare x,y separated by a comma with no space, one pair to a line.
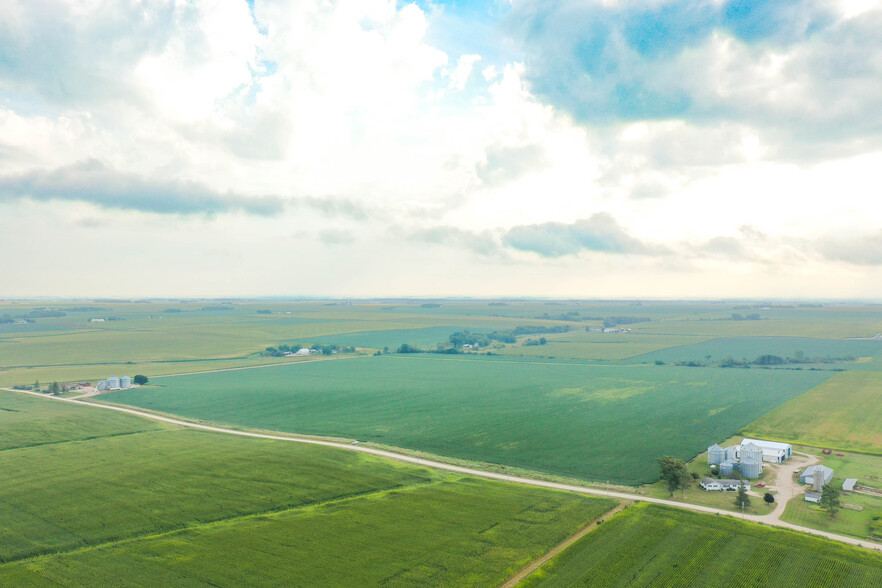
844,413
175,506
565,418
749,348
656,546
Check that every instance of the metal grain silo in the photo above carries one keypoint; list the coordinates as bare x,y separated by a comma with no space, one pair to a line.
125,382
715,455
751,468
751,451
731,453
726,467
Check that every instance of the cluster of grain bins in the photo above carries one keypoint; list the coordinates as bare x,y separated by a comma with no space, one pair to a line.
747,458
115,383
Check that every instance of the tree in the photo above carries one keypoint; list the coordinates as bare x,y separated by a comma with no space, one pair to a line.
54,389
742,500
830,499
37,386
769,498
140,380
674,472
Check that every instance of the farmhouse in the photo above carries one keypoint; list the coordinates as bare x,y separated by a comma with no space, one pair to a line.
302,351
711,484
808,474
773,452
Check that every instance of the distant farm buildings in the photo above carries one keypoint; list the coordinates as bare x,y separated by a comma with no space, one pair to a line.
115,383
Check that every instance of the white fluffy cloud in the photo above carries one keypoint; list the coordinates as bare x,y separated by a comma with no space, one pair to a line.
337,129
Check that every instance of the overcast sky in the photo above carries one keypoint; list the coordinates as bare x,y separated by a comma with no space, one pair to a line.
564,148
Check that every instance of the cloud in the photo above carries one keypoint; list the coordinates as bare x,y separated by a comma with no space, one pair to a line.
860,250
483,243
336,237
599,233
507,164
460,75
799,71
93,182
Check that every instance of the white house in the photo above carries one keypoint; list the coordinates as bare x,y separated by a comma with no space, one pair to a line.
726,485
302,351
773,452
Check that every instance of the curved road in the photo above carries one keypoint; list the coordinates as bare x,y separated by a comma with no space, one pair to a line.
769,519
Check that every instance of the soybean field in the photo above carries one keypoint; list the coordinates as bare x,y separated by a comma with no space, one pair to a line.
565,418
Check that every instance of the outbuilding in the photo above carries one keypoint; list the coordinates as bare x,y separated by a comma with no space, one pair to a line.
812,497
808,474
848,484
773,451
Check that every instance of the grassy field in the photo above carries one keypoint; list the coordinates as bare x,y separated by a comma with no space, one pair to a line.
648,545
591,422
846,521
843,413
172,506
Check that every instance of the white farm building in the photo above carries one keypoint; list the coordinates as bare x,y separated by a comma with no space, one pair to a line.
711,484
773,452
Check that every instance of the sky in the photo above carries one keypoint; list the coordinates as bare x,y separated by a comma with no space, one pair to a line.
373,148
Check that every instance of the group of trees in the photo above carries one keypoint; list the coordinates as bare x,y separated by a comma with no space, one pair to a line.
483,340
675,473
54,388
324,349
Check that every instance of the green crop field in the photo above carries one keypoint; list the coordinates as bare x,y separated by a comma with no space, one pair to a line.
649,545
173,506
749,348
592,422
844,413
26,421
598,346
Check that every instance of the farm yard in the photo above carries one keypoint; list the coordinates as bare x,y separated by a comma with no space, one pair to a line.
175,506
565,418
648,545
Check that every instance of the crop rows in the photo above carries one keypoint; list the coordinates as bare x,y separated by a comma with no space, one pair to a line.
656,546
